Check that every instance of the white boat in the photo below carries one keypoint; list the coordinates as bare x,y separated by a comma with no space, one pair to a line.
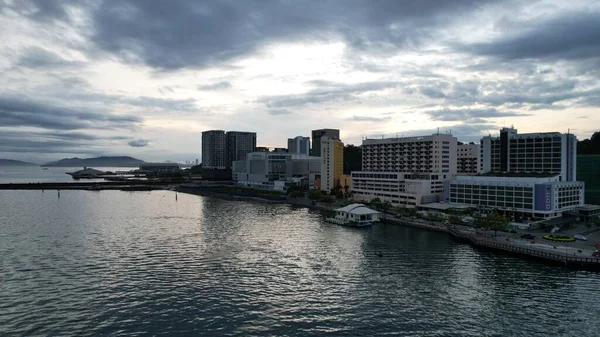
354,215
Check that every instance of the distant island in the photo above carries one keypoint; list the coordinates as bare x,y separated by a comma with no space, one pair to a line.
121,161
10,162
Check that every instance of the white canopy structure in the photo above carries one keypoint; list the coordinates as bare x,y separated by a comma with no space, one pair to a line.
357,213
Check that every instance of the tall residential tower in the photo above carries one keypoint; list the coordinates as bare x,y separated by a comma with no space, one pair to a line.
316,139
299,145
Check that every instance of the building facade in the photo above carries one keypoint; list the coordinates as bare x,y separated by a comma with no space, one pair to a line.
550,152
529,197
316,139
530,174
332,162
406,171
160,167
468,159
239,144
273,170
299,145
214,149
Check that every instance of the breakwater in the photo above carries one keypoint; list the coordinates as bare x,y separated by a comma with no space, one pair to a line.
80,185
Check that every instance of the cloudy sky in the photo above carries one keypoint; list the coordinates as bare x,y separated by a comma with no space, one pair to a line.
146,77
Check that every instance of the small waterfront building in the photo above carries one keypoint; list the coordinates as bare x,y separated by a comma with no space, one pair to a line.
358,213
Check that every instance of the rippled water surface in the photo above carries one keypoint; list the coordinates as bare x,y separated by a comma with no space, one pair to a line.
138,264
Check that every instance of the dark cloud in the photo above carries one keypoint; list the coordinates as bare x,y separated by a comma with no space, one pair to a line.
567,36
327,92
197,34
368,119
276,112
35,58
215,86
138,143
474,116
22,112
432,92
145,102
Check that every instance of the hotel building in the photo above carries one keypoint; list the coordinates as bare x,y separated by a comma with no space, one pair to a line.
468,159
407,171
332,163
531,174
551,152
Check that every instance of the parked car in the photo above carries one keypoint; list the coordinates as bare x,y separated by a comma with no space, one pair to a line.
580,237
527,237
596,253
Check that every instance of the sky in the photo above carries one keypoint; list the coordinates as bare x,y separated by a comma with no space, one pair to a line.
145,77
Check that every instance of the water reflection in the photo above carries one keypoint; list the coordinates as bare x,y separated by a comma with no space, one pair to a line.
144,263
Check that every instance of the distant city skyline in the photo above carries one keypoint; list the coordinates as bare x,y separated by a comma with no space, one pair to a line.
85,79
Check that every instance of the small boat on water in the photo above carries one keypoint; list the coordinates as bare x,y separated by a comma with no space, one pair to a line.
354,215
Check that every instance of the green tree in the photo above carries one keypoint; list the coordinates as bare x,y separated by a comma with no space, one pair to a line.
386,206
455,220
296,194
314,194
352,158
328,199
496,222
375,203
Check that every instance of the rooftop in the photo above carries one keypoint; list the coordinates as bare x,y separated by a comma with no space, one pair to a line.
444,206
520,174
357,209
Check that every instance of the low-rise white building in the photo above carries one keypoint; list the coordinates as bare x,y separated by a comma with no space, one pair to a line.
276,170
532,196
398,188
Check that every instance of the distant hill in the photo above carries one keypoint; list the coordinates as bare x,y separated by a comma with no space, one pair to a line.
10,162
96,162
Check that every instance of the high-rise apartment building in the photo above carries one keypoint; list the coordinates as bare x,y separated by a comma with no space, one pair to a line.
407,171
214,149
299,145
220,149
316,139
550,152
239,144
468,159
332,162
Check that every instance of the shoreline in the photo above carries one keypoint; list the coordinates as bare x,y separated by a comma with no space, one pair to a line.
508,246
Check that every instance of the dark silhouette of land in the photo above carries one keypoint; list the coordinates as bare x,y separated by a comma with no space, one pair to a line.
117,161
10,162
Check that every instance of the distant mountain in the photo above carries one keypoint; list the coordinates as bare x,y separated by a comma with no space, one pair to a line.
96,162
10,162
